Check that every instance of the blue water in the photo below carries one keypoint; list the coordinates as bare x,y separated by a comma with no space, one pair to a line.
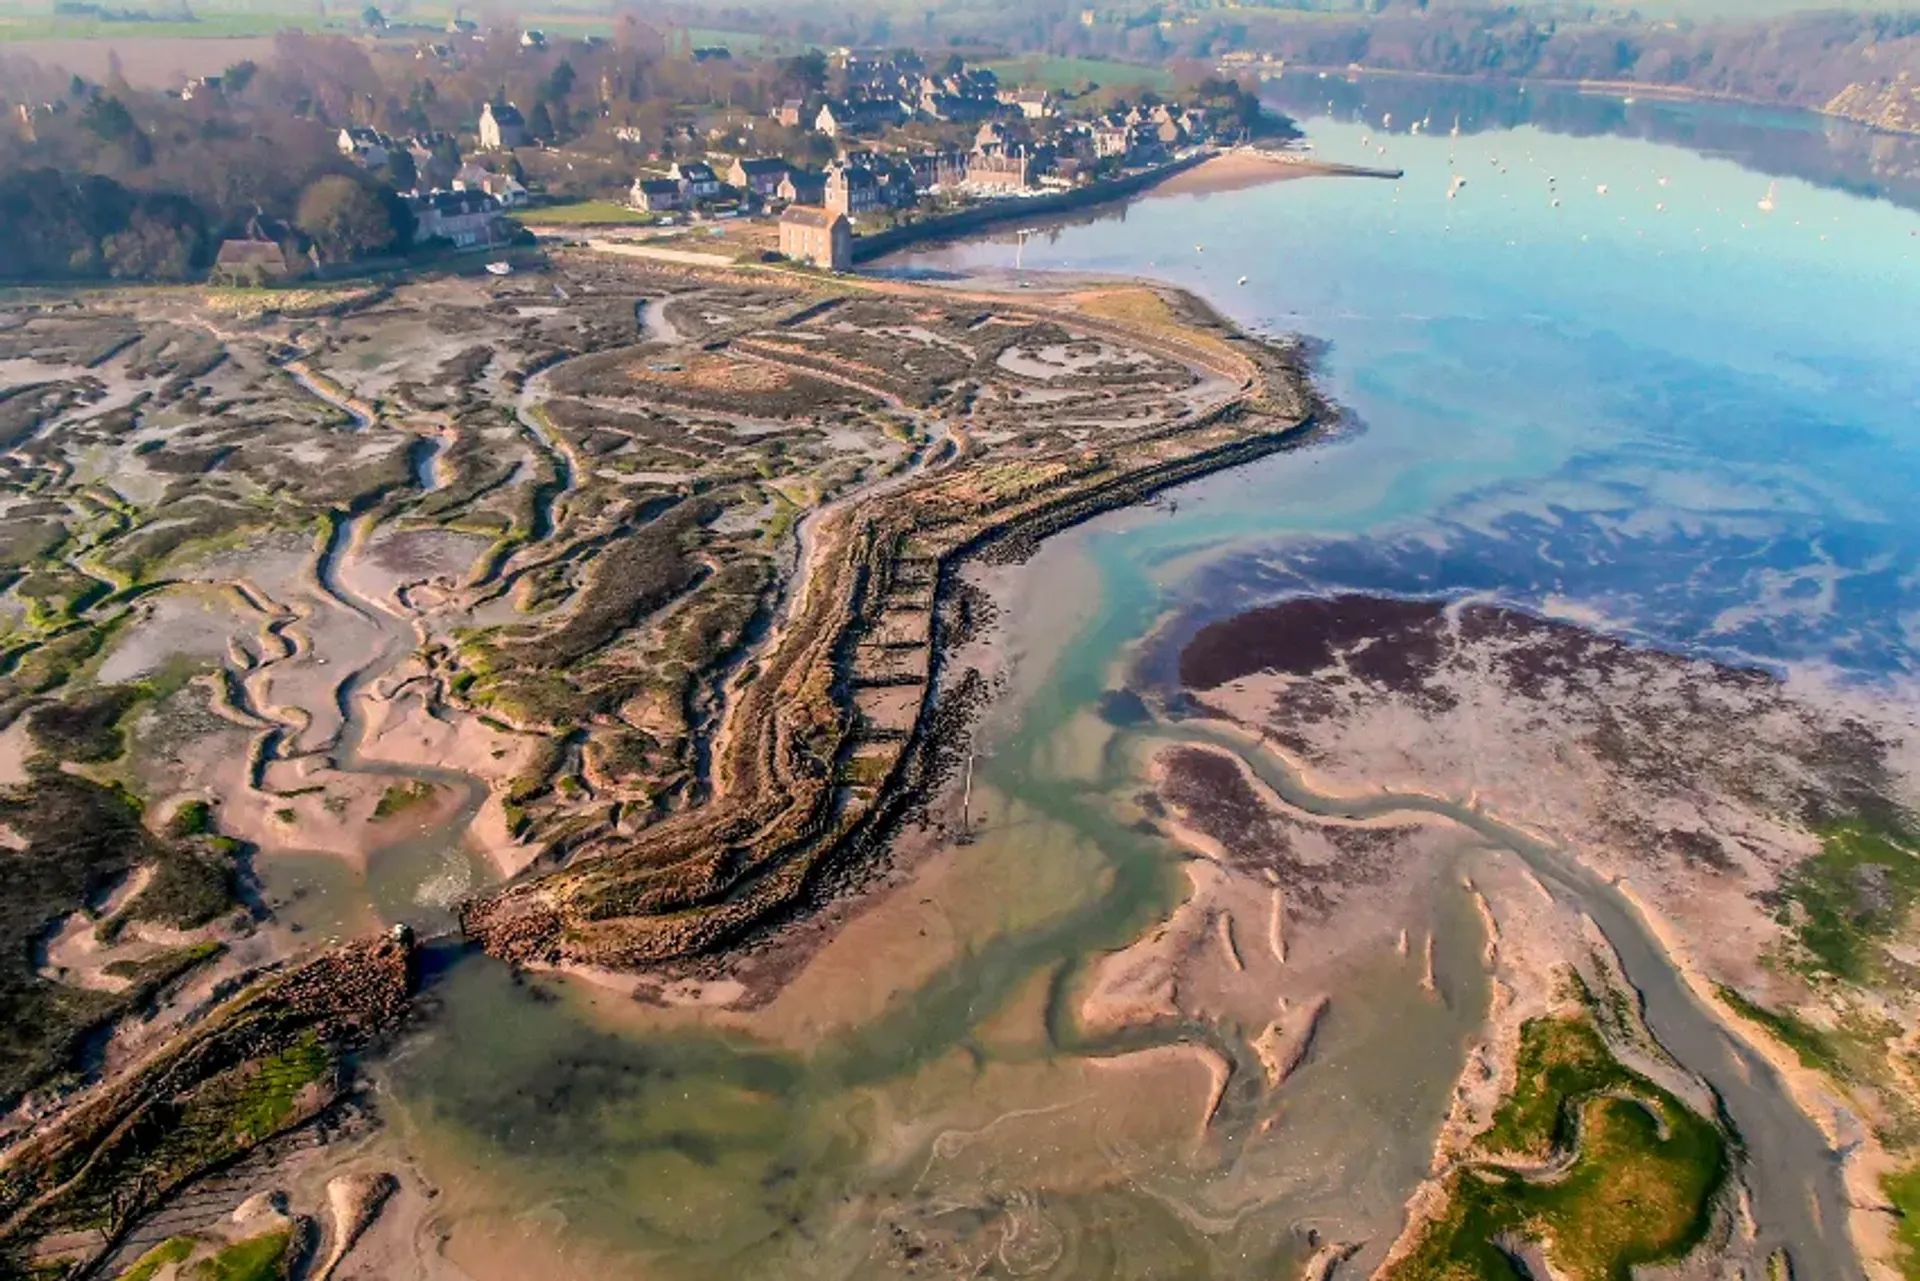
1658,408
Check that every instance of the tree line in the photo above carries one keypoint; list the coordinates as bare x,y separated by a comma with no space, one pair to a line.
1800,59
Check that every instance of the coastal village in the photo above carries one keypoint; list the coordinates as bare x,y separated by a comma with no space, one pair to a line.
890,140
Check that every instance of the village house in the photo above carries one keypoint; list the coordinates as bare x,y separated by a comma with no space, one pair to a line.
1034,104
859,115
952,108
503,187
427,150
818,237
656,195
1113,140
991,139
852,189
802,187
790,113
502,128
933,170
697,180
895,181
467,218
1006,172
880,75
757,176
368,147
253,263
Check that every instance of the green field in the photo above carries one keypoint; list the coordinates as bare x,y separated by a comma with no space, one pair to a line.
1641,1170
15,27
1072,73
583,213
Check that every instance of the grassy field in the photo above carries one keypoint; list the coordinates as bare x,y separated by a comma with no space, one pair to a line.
583,213
1638,1187
16,27
1072,73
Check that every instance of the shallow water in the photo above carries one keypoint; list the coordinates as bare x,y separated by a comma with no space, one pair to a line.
1693,424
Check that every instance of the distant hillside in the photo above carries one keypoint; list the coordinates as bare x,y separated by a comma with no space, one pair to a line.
1862,62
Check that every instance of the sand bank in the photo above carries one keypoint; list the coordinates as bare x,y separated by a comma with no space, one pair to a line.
1237,170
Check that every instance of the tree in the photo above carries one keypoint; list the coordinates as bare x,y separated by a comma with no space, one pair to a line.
238,77
540,123
561,82
445,162
344,218
372,19
109,120
402,173
806,73
153,247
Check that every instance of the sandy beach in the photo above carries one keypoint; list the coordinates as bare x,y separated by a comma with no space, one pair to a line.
1242,168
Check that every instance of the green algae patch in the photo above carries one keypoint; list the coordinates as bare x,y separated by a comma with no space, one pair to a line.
265,1109
1904,1191
261,1258
172,1250
193,818
401,797
1602,1168
1814,1048
1846,901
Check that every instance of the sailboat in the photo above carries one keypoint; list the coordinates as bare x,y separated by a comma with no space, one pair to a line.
1768,203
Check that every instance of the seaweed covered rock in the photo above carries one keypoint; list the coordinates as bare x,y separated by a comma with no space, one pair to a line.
268,1060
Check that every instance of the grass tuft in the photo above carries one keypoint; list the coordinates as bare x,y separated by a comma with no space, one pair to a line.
1844,902
401,797
172,1250
261,1258
1640,1171
1904,1191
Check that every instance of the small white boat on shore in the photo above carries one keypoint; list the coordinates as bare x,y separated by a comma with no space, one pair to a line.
501,268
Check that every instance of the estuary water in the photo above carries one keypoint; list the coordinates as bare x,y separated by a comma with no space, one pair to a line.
1598,379
1651,406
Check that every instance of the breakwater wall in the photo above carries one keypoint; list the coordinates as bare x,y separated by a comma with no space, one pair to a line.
994,212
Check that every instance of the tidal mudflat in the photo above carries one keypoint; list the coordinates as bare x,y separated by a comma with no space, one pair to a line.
896,778
642,600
